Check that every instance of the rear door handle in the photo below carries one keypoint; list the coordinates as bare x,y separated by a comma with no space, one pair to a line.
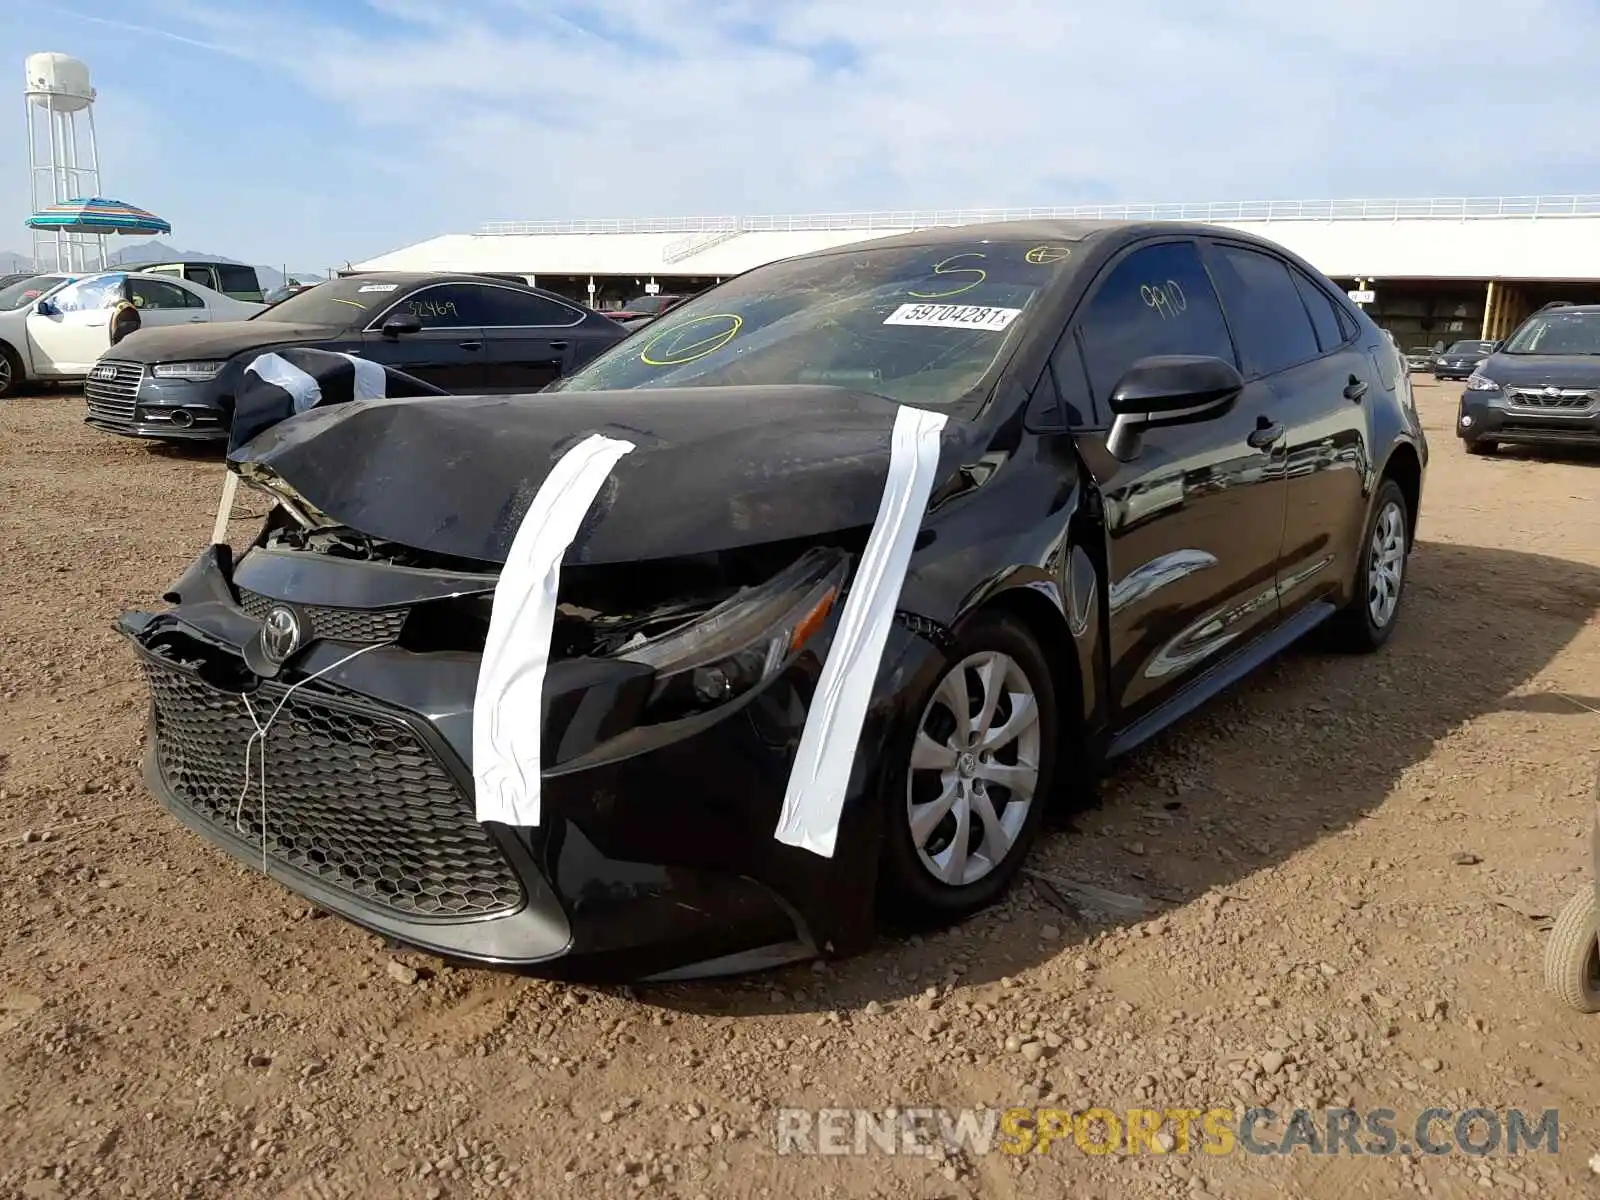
1355,389
471,345
1264,435
559,345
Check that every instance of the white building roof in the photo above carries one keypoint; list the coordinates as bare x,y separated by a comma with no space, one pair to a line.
1538,237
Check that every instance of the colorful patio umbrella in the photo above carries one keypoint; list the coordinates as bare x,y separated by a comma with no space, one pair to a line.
98,215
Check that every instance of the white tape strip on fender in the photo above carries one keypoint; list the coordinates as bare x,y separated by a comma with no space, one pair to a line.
304,391
507,711
814,798
371,381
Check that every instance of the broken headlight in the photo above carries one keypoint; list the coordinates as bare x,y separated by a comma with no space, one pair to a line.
742,642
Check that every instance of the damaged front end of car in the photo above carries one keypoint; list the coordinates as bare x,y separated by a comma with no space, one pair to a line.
313,703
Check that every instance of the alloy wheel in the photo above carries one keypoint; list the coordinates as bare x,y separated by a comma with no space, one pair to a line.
5,374
1386,564
974,768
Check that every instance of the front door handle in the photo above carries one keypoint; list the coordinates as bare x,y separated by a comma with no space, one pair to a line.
471,345
559,345
1355,389
1265,434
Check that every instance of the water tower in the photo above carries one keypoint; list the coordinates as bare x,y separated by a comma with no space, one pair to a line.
62,156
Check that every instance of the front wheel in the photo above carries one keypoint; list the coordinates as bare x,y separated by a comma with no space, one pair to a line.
974,776
1369,619
12,372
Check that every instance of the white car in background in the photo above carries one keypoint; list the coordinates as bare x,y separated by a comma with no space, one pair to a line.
62,333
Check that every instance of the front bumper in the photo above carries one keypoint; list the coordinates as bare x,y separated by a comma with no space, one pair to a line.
134,403
1453,372
655,855
1489,416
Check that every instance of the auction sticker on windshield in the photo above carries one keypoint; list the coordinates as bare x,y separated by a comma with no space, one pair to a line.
953,316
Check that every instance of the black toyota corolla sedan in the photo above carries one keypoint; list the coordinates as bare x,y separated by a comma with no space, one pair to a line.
796,607
463,333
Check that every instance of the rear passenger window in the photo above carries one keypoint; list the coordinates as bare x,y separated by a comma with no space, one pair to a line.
1323,317
1265,310
1158,300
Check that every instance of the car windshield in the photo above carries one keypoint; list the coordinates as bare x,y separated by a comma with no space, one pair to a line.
1469,348
340,303
1558,333
918,323
24,290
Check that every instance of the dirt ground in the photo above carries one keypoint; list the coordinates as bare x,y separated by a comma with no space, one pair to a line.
1351,863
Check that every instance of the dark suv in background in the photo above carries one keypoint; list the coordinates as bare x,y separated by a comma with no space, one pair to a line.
1461,359
1541,386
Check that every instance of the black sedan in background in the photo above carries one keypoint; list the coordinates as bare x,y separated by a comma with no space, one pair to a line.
810,595
463,333
1461,359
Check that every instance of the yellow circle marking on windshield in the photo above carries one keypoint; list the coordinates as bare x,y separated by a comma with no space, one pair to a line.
1041,256
677,352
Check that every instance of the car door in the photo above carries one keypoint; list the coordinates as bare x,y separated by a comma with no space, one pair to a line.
1291,337
448,350
76,330
162,303
529,339
1193,512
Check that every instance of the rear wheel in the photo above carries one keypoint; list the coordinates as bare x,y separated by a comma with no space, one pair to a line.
12,372
1368,620
1480,445
967,802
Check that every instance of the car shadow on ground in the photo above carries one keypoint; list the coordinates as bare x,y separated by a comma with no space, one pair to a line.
1588,456
1306,747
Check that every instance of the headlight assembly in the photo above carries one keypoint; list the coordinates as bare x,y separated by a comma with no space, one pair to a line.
1478,382
742,642
196,371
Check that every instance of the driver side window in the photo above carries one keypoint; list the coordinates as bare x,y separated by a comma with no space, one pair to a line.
90,294
1157,300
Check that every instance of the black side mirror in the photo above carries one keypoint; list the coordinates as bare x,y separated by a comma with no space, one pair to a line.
46,308
1169,389
401,323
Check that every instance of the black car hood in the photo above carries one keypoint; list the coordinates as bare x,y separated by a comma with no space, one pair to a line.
1543,370
217,339
713,468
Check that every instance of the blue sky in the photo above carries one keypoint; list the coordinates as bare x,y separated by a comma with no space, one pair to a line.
316,131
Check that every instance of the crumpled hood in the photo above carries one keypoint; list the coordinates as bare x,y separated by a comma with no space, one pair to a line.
714,468
1543,370
215,339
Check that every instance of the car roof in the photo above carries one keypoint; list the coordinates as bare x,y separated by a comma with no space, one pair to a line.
1052,230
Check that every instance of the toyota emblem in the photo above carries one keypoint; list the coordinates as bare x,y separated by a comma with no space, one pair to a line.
280,634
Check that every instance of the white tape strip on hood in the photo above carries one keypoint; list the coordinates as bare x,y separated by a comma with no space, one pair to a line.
304,391
814,799
508,710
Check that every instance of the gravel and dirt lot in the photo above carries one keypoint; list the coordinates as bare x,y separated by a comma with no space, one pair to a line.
1348,866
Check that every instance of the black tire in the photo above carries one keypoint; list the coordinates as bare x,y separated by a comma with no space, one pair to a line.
1356,628
1572,955
1480,445
908,890
12,373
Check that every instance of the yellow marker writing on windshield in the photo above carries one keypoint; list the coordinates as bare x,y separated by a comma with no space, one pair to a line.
1041,256
709,333
943,267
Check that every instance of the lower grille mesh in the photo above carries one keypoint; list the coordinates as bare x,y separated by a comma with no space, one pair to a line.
355,800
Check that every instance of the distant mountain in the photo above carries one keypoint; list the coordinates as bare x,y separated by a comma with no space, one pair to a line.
159,251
